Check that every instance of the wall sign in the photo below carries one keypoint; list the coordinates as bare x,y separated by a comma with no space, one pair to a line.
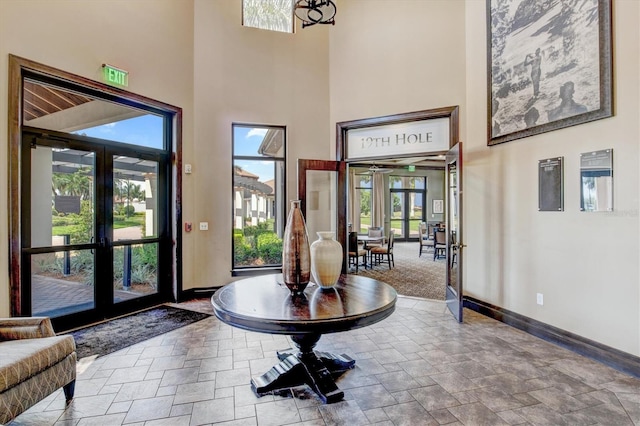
550,185
596,181
416,137
115,76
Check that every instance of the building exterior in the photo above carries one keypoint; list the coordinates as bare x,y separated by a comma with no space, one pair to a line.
380,58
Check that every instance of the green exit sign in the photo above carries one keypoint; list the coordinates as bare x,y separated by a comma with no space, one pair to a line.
411,168
115,76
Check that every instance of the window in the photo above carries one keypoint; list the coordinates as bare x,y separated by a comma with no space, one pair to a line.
363,193
258,195
273,15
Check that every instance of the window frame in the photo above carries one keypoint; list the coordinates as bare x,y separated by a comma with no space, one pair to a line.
279,196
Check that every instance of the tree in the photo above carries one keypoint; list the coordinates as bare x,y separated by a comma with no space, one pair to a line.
129,191
365,202
78,183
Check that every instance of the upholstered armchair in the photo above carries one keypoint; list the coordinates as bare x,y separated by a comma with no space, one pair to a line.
34,362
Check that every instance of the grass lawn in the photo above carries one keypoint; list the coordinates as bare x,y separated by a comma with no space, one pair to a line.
118,224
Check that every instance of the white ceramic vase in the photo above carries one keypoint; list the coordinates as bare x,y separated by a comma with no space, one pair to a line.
326,260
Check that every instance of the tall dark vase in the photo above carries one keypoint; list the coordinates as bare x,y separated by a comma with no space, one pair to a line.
296,254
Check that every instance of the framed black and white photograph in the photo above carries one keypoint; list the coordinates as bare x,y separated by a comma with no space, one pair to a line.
438,206
549,65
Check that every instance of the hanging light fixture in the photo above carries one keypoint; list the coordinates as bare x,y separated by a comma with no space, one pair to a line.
312,12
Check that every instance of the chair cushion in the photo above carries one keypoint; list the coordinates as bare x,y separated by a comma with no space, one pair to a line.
360,253
22,359
379,250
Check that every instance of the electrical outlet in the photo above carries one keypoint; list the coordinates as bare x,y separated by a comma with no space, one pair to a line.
204,226
187,168
540,299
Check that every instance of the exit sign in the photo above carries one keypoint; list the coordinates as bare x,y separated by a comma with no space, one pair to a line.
115,76
411,168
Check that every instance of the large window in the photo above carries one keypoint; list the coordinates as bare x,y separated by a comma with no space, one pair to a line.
258,195
273,15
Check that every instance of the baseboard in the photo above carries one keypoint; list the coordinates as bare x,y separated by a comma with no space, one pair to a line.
196,293
621,361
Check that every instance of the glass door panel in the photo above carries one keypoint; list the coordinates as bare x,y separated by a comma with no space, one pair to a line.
135,228
321,213
398,212
321,190
135,271
406,212
62,196
415,213
62,282
59,238
454,240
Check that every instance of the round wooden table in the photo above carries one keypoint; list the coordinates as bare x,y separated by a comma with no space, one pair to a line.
264,304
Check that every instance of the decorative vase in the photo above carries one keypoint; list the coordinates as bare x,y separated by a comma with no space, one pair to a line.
326,260
296,257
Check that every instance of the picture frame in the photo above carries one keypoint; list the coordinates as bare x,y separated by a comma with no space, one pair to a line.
438,206
549,66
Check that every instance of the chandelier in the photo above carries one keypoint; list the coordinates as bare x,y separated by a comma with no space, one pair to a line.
312,12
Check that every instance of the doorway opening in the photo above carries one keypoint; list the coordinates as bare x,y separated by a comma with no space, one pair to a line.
400,137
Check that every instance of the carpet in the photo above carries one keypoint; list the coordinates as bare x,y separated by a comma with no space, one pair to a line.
412,276
104,338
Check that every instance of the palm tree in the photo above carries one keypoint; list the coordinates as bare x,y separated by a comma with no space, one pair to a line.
78,183
130,191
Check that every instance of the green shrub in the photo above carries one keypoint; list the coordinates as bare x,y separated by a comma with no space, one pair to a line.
243,254
269,248
61,221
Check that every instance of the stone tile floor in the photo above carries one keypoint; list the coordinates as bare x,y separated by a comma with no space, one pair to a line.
417,367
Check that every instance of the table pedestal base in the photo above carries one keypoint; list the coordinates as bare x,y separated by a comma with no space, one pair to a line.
307,366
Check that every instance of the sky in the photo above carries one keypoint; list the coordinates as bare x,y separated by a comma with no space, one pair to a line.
145,130
246,142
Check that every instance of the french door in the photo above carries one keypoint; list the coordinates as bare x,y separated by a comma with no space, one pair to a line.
322,193
407,212
94,228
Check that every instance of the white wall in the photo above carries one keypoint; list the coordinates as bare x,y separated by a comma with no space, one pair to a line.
79,37
251,76
389,57
585,264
